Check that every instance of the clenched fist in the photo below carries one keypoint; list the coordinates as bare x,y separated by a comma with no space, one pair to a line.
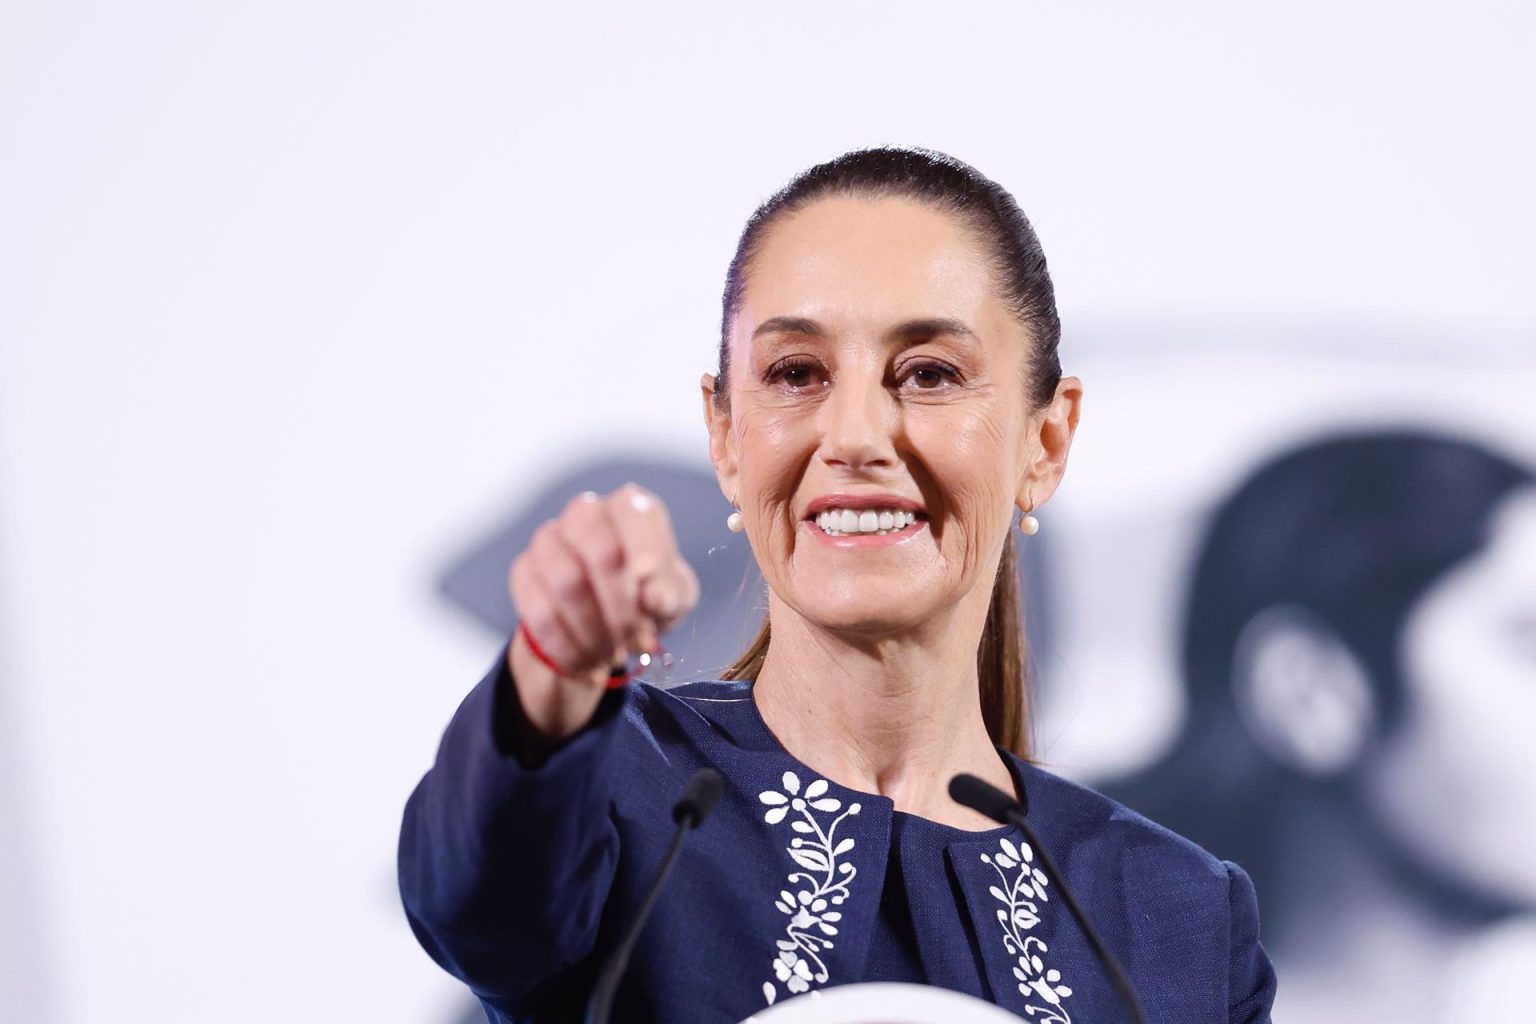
599,582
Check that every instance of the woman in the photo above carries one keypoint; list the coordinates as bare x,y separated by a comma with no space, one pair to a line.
1360,648
888,392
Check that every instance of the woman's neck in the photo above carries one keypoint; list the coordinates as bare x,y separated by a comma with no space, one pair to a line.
896,715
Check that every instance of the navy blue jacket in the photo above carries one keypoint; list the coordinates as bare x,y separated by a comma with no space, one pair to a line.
519,881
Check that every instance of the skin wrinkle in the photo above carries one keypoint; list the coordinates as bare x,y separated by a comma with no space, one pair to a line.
871,675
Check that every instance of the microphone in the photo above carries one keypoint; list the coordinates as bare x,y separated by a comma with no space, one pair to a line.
979,795
699,797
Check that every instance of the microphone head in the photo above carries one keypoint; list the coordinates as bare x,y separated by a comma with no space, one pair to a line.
979,795
699,797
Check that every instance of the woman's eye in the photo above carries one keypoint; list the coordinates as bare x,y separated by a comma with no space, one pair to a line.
932,376
794,374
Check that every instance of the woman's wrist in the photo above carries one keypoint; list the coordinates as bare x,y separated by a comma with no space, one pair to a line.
616,676
554,706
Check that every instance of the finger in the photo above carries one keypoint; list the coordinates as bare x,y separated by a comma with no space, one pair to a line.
651,548
565,579
688,584
587,530
538,612
671,594
645,528
668,586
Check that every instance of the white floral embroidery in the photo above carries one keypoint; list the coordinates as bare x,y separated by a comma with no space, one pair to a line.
821,885
1023,912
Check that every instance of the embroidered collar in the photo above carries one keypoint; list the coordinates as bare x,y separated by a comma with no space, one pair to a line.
823,826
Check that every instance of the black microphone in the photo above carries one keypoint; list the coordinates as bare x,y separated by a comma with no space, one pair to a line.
982,796
699,797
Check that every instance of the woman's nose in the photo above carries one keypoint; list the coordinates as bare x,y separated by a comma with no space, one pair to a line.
858,420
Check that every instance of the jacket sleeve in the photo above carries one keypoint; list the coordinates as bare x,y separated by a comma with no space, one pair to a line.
504,868
1251,981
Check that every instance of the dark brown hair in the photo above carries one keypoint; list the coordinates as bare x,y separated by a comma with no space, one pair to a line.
1018,264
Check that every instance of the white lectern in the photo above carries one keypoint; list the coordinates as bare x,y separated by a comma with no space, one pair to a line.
881,1002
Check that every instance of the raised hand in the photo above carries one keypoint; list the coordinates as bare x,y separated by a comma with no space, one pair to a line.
601,581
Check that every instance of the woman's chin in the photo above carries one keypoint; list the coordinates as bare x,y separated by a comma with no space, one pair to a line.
865,618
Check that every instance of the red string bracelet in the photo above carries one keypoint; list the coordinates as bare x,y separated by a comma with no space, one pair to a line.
618,675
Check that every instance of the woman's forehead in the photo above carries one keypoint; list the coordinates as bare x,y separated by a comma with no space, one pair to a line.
859,262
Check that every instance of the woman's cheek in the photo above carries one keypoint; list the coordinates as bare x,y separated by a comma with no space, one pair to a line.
975,469
968,451
780,434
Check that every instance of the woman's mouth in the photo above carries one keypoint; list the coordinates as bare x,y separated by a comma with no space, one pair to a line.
875,522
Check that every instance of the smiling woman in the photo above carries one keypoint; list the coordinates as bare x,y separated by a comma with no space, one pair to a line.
888,393
853,249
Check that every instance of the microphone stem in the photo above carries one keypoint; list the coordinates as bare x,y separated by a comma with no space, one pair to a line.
600,1006
1116,972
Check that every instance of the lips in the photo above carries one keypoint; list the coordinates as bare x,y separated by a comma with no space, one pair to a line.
863,517
862,503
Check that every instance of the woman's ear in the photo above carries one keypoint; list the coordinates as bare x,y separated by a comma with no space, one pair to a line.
1301,692
1049,440
722,441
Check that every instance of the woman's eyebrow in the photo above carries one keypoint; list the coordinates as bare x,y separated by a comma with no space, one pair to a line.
917,330
790,325
908,332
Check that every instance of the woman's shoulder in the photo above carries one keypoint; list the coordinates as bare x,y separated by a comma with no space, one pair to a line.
1173,893
717,714
698,700
1078,816
703,690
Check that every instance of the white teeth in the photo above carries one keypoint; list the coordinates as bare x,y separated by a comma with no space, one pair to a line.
838,522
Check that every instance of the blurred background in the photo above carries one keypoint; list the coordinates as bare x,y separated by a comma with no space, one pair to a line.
310,312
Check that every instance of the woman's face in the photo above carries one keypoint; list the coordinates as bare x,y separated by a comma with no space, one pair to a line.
1457,781
874,372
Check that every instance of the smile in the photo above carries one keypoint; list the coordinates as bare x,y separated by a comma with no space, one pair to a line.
877,522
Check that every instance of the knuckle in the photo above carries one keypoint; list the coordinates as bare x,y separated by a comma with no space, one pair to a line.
546,627
589,636
607,555
567,584
554,535
589,534
647,557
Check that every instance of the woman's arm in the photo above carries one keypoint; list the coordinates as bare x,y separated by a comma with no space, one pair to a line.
507,851
1251,979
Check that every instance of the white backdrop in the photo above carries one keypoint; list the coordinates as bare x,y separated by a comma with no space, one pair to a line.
294,298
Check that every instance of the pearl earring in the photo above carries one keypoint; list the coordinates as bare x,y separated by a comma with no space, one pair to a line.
1029,525
733,521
